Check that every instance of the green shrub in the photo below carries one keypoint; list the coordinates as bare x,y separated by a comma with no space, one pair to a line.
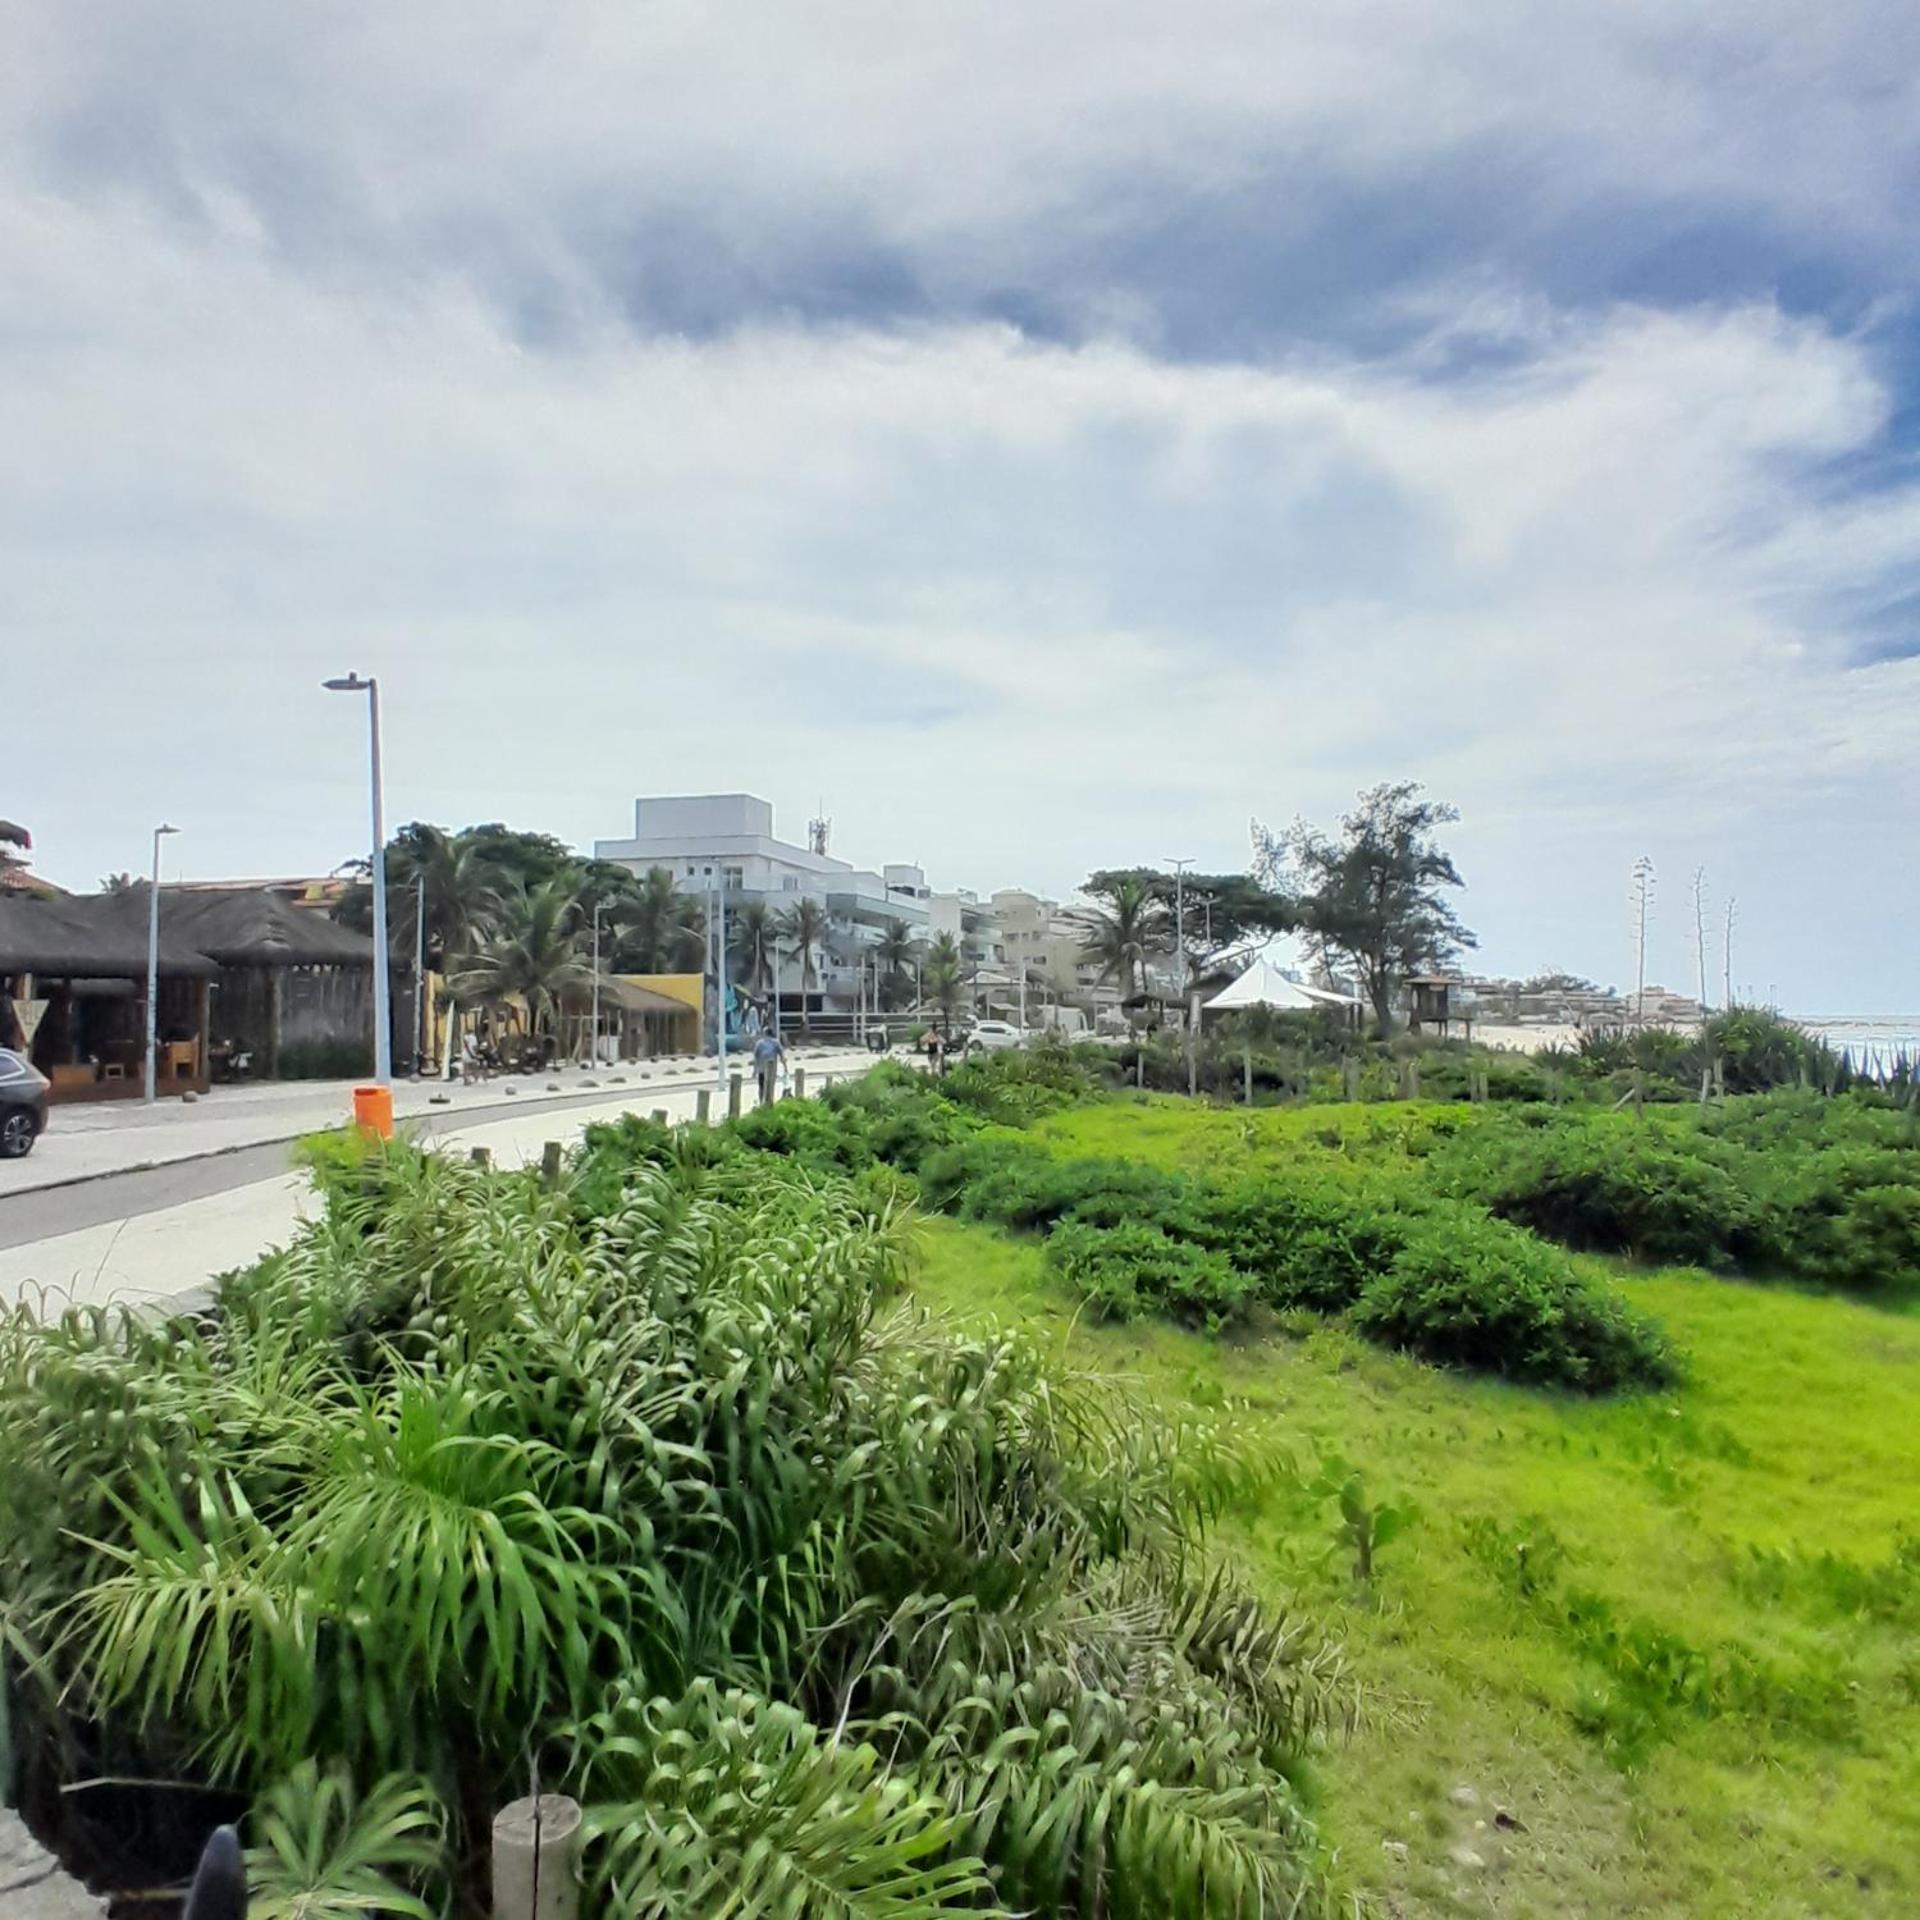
1608,1185
1126,1270
1308,1245
1468,1292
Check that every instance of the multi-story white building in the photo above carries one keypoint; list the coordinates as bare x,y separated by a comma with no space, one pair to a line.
1050,943
725,841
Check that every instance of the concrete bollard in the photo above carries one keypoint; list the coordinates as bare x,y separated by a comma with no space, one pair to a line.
703,1107
550,1163
799,1083
733,1096
536,1859
481,1156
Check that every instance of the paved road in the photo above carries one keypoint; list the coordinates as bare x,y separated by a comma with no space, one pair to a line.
40,1213
159,1233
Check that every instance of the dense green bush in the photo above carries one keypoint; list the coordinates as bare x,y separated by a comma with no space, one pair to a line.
1471,1292
1820,1189
1610,1185
817,1607
1128,1269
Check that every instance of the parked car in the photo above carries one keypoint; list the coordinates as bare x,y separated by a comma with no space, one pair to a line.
23,1104
993,1036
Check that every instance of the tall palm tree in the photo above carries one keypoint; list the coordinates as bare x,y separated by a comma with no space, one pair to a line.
534,952
942,978
661,930
1122,935
895,950
803,926
753,937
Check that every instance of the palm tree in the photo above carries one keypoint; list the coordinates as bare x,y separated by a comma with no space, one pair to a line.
118,883
1122,934
895,951
753,936
534,952
661,930
803,926
942,978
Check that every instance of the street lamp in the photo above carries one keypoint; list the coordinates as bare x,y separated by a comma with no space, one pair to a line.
593,1042
382,1032
1180,950
153,959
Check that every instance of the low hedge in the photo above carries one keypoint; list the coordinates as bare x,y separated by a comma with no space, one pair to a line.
1475,1293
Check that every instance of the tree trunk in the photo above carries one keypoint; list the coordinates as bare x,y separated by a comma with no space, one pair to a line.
1377,992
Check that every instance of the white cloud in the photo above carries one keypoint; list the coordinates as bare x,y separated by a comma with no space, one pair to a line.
1602,593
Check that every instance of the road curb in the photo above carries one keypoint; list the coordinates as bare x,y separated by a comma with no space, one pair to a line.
587,1095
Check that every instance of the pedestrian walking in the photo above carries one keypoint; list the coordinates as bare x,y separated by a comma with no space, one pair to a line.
769,1056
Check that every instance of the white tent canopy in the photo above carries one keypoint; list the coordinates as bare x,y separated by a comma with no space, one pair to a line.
1264,985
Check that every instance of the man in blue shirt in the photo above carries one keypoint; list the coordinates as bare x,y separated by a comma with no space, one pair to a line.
769,1056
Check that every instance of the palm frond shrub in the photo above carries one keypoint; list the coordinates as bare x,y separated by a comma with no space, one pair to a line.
650,1484
324,1853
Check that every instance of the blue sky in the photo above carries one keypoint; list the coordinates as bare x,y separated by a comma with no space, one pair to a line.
1049,436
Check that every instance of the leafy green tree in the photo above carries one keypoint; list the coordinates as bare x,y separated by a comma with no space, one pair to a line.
944,978
1372,897
1131,925
533,951
753,938
661,930
463,892
1234,907
896,951
803,926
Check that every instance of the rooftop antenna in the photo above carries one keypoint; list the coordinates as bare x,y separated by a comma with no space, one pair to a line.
818,828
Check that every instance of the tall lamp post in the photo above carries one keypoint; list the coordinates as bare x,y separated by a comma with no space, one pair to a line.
1180,953
382,1027
153,960
593,1040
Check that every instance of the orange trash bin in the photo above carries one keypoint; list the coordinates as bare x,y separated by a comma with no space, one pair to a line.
373,1111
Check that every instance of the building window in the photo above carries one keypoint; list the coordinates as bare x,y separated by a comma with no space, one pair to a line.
789,883
733,877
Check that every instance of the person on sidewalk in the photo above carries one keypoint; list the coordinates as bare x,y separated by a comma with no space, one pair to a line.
769,1056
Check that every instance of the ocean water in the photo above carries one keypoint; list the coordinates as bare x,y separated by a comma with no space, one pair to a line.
1868,1037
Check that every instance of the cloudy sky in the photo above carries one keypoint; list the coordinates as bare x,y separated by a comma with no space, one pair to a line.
1048,435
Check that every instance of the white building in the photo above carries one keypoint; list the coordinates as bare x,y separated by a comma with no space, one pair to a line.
727,840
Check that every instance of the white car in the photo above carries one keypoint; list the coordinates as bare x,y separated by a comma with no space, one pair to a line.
993,1036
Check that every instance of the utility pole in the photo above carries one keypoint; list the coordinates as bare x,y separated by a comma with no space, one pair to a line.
1700,929
593,1037
382,954
1642,899
720,979
422,1032
1180,953
153,961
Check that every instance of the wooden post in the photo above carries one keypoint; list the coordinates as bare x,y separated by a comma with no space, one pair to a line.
1413,1075
1350,1074
733,1096
481,1157
703,1107
550,1163
1246,1064
799,1083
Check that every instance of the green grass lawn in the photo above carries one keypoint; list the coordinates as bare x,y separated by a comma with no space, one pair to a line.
1510,1762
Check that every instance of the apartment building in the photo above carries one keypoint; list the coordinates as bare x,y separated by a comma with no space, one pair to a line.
726,841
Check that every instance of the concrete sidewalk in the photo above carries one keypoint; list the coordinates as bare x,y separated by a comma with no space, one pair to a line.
172,1253
92,1142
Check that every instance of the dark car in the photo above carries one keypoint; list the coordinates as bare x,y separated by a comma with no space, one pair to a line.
23,1104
